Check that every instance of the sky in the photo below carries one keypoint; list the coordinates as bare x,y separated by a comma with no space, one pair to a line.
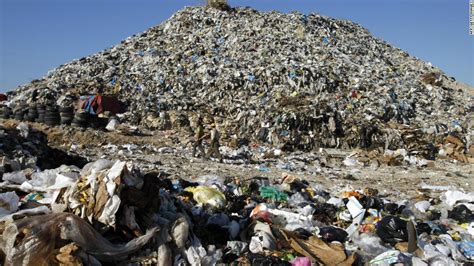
39,35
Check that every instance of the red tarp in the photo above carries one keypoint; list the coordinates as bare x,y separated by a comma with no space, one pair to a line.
3,97
98,104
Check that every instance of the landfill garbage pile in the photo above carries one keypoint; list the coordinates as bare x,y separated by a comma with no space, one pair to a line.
110,212
24,150
292,81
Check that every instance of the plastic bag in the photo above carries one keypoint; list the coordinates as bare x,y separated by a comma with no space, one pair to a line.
112,125
467,249
369,243
273,193
392,229
301,261
8,203
180,232
17,177
331,233
237,247
199,255
391,257
422,206
32,240
24,129
451,197
461,214
263,239
207,195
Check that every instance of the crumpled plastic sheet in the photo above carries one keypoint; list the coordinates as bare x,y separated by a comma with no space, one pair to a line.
199,256
25,213
207,195
8,203
263,239
52,179
451,197
17,177
96,195
390,257
32,240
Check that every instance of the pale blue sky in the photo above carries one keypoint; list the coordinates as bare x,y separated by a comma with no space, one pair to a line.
38,35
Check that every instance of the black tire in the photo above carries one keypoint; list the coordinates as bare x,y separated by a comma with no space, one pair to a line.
66,109
76,123
18,116
66,115
40,109
63,115
82,116
32,115
51,108
40,118
81,119
65,121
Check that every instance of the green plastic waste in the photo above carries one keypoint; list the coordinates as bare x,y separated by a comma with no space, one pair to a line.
272,193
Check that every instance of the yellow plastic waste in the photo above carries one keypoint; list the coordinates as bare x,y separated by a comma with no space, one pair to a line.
207,195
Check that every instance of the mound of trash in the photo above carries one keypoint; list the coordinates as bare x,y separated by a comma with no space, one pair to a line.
24,148
111,212
292,80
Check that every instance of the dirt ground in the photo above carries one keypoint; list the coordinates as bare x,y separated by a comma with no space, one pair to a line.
395,182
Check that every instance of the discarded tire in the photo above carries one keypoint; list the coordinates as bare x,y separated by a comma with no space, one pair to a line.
66,109
51,117
19,115
51,108
66,120
40,109
66,114
80,120
32,113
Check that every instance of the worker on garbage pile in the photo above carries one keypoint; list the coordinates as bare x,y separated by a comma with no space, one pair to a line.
198,138
214,147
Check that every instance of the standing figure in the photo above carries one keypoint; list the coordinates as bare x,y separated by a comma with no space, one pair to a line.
214,148
199,136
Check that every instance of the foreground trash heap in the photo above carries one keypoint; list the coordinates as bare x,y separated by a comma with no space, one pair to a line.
110,212
288,80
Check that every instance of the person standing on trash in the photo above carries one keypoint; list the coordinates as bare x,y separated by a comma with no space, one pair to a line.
214,147
199,136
